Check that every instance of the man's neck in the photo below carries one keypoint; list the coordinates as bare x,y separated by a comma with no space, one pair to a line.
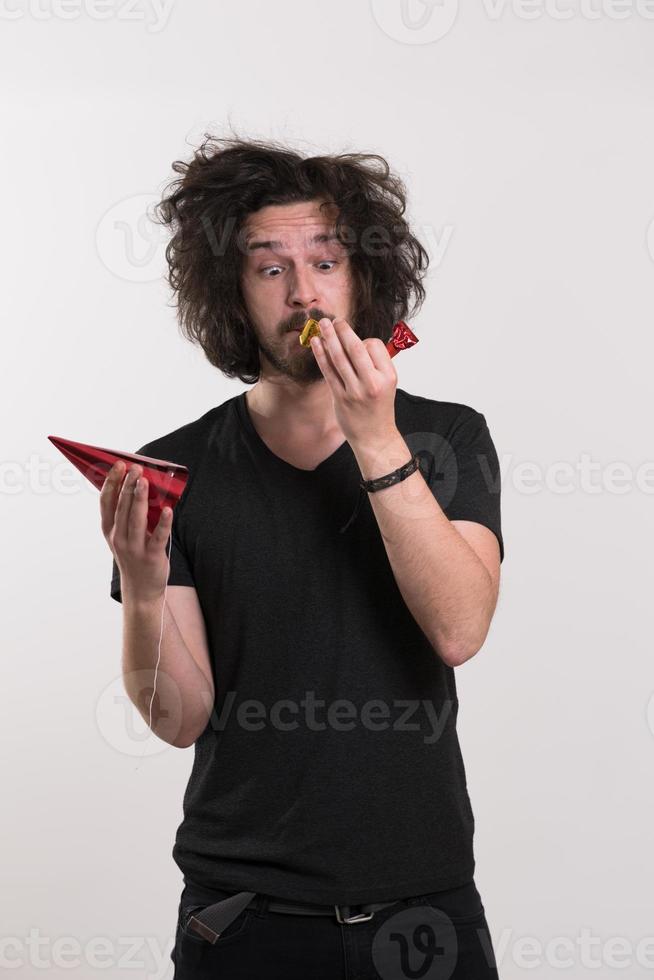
301,410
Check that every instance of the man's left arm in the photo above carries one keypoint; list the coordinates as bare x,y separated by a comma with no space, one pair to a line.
447,571
448,574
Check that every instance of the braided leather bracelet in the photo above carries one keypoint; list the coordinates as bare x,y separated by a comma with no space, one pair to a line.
395,477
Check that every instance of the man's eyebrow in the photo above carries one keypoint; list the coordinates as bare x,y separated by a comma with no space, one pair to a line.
323,237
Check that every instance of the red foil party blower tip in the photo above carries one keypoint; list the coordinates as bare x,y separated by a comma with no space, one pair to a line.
166,480
402,338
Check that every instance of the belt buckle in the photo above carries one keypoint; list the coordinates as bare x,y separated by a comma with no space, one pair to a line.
360,917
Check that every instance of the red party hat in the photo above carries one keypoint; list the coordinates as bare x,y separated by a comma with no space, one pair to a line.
166,480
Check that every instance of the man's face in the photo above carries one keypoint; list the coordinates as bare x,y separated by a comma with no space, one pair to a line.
291,276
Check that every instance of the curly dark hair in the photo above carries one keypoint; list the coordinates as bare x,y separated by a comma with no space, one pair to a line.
229,178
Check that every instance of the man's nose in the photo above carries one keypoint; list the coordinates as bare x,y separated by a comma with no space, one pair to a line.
302,290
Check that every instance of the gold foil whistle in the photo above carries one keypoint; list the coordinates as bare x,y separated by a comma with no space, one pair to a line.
311,329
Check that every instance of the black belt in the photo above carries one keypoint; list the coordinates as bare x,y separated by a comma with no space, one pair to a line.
213,919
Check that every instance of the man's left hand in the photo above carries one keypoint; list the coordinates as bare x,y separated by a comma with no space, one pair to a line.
362,379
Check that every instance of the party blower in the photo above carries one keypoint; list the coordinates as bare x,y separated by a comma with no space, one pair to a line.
166,480
402,336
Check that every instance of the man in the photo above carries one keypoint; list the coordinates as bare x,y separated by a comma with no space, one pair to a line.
310,658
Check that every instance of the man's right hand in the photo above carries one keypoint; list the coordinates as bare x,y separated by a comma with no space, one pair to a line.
140,555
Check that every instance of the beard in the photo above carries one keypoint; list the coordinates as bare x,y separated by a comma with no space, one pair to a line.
287,356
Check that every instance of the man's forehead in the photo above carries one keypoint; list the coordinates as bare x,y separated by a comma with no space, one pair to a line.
280,226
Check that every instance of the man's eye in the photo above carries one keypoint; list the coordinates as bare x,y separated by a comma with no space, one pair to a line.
270,268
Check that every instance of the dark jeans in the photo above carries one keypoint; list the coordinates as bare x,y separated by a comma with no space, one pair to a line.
439,936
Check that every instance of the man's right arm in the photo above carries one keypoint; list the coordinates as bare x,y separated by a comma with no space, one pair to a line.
183,697
185,692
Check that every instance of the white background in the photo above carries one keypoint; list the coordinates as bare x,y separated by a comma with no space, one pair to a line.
525,137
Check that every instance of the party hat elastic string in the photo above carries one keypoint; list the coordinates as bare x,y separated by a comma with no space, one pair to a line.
163,607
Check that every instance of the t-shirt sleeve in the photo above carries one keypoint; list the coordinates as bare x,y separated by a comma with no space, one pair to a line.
466,478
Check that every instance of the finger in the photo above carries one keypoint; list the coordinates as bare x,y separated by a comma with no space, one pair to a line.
356,350
124,505
109,495
381,359
161,532
136,520
331,376
338,355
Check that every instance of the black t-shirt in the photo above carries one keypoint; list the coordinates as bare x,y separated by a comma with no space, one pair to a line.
342,780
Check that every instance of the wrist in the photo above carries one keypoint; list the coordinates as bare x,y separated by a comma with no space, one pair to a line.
383,456
137,601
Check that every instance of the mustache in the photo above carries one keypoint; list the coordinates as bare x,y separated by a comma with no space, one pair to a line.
298,320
